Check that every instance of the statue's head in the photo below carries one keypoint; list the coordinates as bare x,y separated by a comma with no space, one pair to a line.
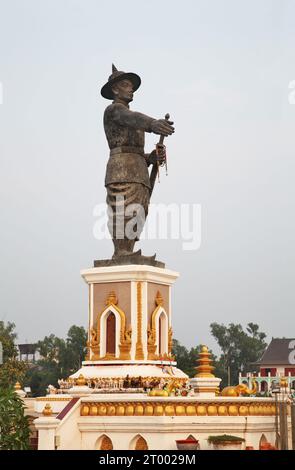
121,85
123,91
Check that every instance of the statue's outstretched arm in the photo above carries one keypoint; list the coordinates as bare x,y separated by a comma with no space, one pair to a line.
123,116
126,117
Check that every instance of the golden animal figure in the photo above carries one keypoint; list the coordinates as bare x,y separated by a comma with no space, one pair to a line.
167,390
238,390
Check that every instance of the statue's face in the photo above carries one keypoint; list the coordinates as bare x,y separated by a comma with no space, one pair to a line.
123,90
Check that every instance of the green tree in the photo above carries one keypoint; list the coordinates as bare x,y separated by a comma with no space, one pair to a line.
60,358
240,349
181,355
14,425
49,348
76,347
7,338
187,359
12,370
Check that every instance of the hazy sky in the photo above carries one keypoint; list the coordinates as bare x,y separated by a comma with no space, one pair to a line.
222,69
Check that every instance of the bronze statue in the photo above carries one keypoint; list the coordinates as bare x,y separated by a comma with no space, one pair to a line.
127,177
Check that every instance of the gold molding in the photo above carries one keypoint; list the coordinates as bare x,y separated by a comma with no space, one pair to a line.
88,344
94,343
125,345
159,299
152,335
170,340
57,398
151,344
139,355
176,408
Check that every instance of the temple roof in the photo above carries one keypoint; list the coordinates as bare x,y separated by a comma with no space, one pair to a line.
278,352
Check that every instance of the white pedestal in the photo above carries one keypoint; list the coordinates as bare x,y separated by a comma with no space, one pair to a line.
21,393
80,390
205,387
46,427
138,297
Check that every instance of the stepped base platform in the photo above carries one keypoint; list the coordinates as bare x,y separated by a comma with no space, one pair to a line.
146,371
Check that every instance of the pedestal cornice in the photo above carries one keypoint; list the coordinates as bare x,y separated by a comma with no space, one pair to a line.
129,273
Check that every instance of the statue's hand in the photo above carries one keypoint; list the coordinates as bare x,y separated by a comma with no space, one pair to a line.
162,127
153,157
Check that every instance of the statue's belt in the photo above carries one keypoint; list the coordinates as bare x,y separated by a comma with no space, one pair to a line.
126,149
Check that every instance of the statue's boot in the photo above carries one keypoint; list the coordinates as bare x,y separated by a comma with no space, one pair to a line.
123,254
124,247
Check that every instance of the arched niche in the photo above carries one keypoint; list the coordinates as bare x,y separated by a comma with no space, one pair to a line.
160,325
262,441
104,443
138,443
163,334
111,331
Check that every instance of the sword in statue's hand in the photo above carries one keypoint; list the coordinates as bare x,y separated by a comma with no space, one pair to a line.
161,159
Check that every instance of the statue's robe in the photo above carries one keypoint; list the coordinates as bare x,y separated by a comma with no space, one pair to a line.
127,168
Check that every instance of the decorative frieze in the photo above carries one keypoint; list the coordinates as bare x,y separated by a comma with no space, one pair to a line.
168,408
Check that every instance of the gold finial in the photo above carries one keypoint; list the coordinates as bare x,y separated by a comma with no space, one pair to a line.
204,369
17,386
112,298
159,299
47,411
283,382
81,380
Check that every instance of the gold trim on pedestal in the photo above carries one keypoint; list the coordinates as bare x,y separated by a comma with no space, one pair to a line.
159,304
125,345
139,349
170,340
151,344
88,344
152,335
94,343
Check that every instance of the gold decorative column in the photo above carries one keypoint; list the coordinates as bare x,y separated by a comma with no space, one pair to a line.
139,355
205,384
88,354
204,369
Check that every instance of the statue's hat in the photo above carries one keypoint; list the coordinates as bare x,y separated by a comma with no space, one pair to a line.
117,76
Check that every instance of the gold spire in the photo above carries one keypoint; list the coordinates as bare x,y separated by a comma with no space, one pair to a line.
159,299
112,298
47,411
283,382
204,369
17,386
81,380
